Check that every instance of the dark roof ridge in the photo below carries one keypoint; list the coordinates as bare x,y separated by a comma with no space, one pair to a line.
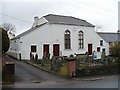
64,16
68,20
75,21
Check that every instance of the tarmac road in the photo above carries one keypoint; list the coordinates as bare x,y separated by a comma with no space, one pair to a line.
28,76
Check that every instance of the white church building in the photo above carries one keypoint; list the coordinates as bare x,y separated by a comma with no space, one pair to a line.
59,36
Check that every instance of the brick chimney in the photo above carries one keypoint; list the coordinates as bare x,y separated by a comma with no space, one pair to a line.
36,19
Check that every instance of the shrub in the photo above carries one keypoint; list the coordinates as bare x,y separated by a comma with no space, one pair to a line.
36,58
5,40
99,70
115,50
30,56
71,55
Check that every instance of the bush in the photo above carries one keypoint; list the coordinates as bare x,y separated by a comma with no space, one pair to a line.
98,70
30,56
115,50
71,55
5,40
36,58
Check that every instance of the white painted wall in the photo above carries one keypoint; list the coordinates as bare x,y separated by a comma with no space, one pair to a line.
37,37
54,34
90,36
14,48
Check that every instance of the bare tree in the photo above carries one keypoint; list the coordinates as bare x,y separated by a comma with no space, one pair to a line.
8,27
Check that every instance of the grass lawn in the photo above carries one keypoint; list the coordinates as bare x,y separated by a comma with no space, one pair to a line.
63,71
47,67
87,68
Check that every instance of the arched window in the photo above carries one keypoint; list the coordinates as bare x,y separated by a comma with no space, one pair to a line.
81,41
67,40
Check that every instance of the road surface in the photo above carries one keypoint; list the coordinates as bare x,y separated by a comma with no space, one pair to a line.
27,76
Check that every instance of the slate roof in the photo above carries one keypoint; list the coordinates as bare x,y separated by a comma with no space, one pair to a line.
109,37
59,19
69,20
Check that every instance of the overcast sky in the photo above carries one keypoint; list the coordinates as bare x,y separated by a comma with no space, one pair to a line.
98,12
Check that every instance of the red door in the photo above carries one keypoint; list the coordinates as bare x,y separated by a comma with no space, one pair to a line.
46,49
56,48
89,49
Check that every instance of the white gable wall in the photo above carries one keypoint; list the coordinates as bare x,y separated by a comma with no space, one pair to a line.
54,34
90,36
37,37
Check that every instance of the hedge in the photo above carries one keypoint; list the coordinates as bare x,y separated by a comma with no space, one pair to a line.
98,70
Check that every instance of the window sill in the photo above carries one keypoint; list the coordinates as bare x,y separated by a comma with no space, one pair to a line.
81,49
67,49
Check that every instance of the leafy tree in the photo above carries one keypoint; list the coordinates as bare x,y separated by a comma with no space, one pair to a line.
115,50
5,40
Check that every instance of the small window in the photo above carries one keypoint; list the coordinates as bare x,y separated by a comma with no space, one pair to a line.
33,48
110,43
98,49
103,50
101,42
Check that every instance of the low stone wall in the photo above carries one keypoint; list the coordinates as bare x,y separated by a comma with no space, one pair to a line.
15,55
8,72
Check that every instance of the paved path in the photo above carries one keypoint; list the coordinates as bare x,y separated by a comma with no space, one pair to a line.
28,76
28,73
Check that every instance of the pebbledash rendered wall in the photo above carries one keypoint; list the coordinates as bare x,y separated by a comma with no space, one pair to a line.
54,34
